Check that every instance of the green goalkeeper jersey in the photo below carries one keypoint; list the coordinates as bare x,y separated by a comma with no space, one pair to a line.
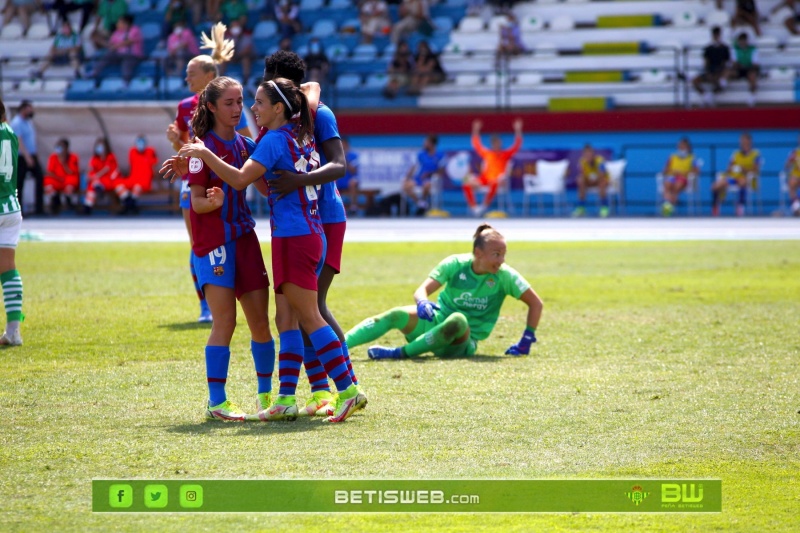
478,296
9,148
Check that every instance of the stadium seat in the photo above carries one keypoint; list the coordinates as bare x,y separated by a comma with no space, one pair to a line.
340,4
323,28
111,86
364,52
266,29
470,25
80,90
653,75
531,23
718,18
8,86
55,86
546,50
336,52
142,86
467,79
311,5
496,22
443,24
30,86
352,25
550,179
616,173
256,5
562,23
529,78
376,81
11,31
348,82
151,30
781,73
138,6
39,30
766,43
685,19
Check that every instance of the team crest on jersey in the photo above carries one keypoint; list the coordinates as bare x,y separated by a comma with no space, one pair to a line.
195,165
219,271
462,277
491,283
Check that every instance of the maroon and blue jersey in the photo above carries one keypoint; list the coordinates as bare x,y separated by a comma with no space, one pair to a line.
186,109
233,219
297,213
331,207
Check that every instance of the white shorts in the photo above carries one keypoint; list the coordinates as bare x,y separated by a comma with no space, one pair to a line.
9,229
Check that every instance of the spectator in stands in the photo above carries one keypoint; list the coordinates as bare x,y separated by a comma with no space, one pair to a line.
681,169
417,182
317,63
125,47
103,174
743,171
510,43
791,21
427,69
412,14
745,65
715,57
142,159
66,48
792,169
243,51
592,173
22,9
348,184
181,47
212,9
234,10
63,177
27,159
64,8
177,13
374,19
400,69
285,44
108,14
746,15
286,13
493,168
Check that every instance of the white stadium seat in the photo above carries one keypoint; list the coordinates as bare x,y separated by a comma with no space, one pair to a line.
531,23
12,30
562,23
39,30
471,25
467,79
685,19
718,18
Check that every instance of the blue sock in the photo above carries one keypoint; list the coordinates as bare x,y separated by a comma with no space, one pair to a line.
264,359
289,361
742,195
346,355
582,204
604,202
317,377
217,360
329,352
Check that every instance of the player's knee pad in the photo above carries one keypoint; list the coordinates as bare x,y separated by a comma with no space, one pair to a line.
455,325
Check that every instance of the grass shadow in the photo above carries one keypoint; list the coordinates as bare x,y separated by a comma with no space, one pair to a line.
186,326
211,427
471,358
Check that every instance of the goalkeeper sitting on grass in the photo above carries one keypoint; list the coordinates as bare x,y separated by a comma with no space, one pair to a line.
475,286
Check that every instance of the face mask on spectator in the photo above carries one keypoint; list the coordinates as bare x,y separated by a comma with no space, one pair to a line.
236,30
99,149
313,48
58,149
140,145
177,30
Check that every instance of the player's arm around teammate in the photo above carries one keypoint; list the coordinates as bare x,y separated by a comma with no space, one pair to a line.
469,305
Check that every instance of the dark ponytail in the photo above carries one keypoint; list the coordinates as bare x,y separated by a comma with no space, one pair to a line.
284,91
484,233
203,118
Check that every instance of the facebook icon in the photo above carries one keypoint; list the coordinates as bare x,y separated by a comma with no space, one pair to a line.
120,496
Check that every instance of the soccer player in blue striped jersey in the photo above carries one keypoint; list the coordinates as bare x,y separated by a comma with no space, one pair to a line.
297,243
226,253
332,212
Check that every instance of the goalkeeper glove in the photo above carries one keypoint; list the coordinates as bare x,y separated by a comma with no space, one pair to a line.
426,309
523,347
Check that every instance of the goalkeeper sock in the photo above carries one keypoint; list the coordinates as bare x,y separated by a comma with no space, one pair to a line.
375,327
439,337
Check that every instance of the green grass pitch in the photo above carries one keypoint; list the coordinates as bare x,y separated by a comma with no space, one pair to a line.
654,360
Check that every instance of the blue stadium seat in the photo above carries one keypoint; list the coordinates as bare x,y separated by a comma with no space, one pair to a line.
337,52
340,4
142,87
323,28
302,51
443,24
81,90
148,16
147,69
311,5
151,30
348,82
138,6
173,87
365,52
376,81
256,5
111,85
351,25
266,29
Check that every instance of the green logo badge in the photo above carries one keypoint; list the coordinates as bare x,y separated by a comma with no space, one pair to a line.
191,496
156,496
120,496
637,494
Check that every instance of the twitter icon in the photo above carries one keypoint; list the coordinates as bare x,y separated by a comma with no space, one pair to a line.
156,496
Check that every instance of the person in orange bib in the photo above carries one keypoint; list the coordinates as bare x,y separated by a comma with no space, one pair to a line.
63,176
493,169
142,159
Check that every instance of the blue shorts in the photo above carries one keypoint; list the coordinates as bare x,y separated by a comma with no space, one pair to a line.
236,265
733,181
186,195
